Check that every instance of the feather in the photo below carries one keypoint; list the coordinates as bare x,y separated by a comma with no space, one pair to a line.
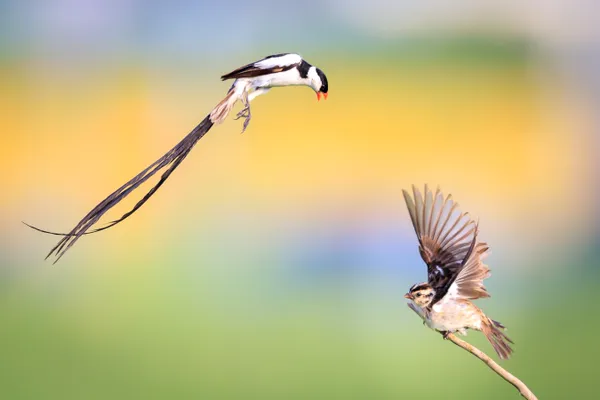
222,110
269,65
498,339
448,245
170,160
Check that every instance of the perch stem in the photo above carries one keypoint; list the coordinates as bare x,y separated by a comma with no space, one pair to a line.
507,376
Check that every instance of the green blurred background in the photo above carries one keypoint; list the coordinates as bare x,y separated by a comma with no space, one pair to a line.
272,265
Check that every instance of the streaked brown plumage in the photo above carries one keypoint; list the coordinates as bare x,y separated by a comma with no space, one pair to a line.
449,246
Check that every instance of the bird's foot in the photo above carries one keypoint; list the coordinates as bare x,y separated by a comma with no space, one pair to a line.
246,122
445,334
245,113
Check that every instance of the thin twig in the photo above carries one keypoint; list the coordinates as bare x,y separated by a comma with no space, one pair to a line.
507,376
513,380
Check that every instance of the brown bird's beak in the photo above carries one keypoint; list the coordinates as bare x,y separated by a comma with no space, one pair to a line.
409,296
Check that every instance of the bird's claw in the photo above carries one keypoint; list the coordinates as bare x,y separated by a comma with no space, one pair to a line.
445,334
245,113
246,122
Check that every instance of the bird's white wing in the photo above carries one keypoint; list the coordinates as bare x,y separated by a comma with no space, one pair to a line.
279,61
268,65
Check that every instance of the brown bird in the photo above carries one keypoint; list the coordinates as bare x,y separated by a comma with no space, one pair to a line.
454,256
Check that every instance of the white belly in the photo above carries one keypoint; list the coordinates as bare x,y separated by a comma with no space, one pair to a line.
290,77
453,316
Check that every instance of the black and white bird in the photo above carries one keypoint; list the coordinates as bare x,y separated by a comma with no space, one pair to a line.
252,80
454,256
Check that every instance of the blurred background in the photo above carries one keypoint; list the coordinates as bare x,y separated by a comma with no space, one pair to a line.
273,264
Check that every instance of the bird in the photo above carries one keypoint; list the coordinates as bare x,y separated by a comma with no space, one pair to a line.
449,245
251,80
257,78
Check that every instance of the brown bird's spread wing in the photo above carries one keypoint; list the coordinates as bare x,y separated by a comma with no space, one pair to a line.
469,282
448,245
269,65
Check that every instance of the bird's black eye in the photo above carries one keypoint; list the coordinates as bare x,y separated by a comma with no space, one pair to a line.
418,294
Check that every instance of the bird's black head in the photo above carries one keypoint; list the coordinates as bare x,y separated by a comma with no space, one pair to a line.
317,80
324,86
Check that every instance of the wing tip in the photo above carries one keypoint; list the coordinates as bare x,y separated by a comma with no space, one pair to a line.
416,192
426,189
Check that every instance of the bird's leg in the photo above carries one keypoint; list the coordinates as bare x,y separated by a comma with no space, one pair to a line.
245,113
246,99
445,334
257,93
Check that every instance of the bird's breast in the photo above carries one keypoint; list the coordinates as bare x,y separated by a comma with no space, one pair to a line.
453,315
286,78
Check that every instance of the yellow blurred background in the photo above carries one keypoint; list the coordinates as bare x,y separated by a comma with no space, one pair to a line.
272,264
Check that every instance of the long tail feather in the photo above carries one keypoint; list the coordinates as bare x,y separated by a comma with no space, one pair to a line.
171,159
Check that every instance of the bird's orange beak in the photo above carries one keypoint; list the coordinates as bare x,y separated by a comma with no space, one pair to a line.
409,296
319,94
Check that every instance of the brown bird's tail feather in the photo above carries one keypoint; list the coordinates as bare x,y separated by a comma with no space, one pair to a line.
222,110
493,332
